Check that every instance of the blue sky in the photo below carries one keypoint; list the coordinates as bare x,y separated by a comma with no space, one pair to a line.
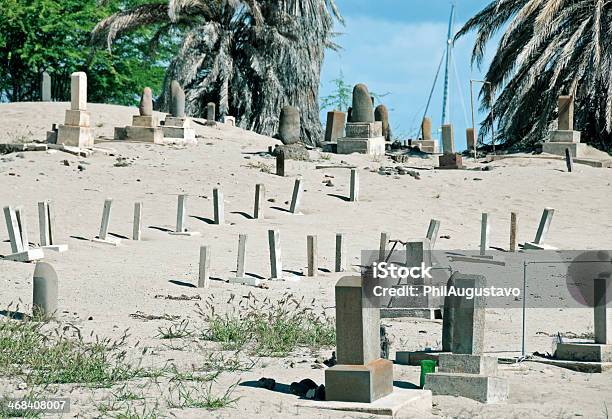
395,46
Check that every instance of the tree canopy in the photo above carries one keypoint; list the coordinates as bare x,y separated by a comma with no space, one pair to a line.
252,57
548,48
54,35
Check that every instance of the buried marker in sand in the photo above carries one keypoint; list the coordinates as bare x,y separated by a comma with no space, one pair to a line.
340,253
433,231
543,227
354,186
204,272
137,225
276,266
44,295
296,197
312,256
260,197
218,206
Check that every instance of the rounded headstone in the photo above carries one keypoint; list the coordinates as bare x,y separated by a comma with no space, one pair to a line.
211,110
177,102
44,299
290,125
146,102
381,113
362,111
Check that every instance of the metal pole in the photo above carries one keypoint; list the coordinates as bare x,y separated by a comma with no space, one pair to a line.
473,117
492,117
524,306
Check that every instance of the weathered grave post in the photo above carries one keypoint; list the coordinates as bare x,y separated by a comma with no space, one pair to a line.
470,316
103,235
280,163
46,226
382,250
276,267
569,160
219,207
46,87
543,227
242,239
181,211
76,130
260,199
44,295
334,128
513,231
354,191
211,112
137,226
145,126
312,255
432,231
340,253
204,274
18,236
602,311
296,196
360,375
484,233
448,139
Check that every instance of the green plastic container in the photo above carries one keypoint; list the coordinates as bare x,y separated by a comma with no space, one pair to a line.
427,366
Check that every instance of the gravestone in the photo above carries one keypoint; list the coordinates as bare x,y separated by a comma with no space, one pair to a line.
296,197
145,126
312,256
433,231
204,272
381,113
177,126
181,211
76,130
45,93
46,225
276,266
513,231
470,136
334,127
362,134
466,372
340,265
103,236
260,201
229,120
137,224
289,125
354,186
543,227
241,278
177,100
565,137
45,290
218,206
18,237
211,112
280,163
360,375
448,139
427,144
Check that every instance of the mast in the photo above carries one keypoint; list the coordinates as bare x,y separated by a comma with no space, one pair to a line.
449,51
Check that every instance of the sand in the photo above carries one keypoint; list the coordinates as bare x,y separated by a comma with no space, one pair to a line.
100,286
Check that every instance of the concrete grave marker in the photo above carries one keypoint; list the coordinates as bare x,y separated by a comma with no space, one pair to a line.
448,139
485,229
137,226
45,290
280,163
543,227
45,93
145,126
276,266
466,372
433,231
260,201
354,186
240,262
76,130
218,206
296,197
103,235
362,133
340,253
46,225
181,229
204,273
565,137
290,125
513,231
382,249
312,256
177,126
18,236
211,112
334,128
360,375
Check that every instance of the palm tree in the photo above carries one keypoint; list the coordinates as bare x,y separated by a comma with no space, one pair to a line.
548,48
251,57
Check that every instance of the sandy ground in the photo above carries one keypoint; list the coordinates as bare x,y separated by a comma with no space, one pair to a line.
100,286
